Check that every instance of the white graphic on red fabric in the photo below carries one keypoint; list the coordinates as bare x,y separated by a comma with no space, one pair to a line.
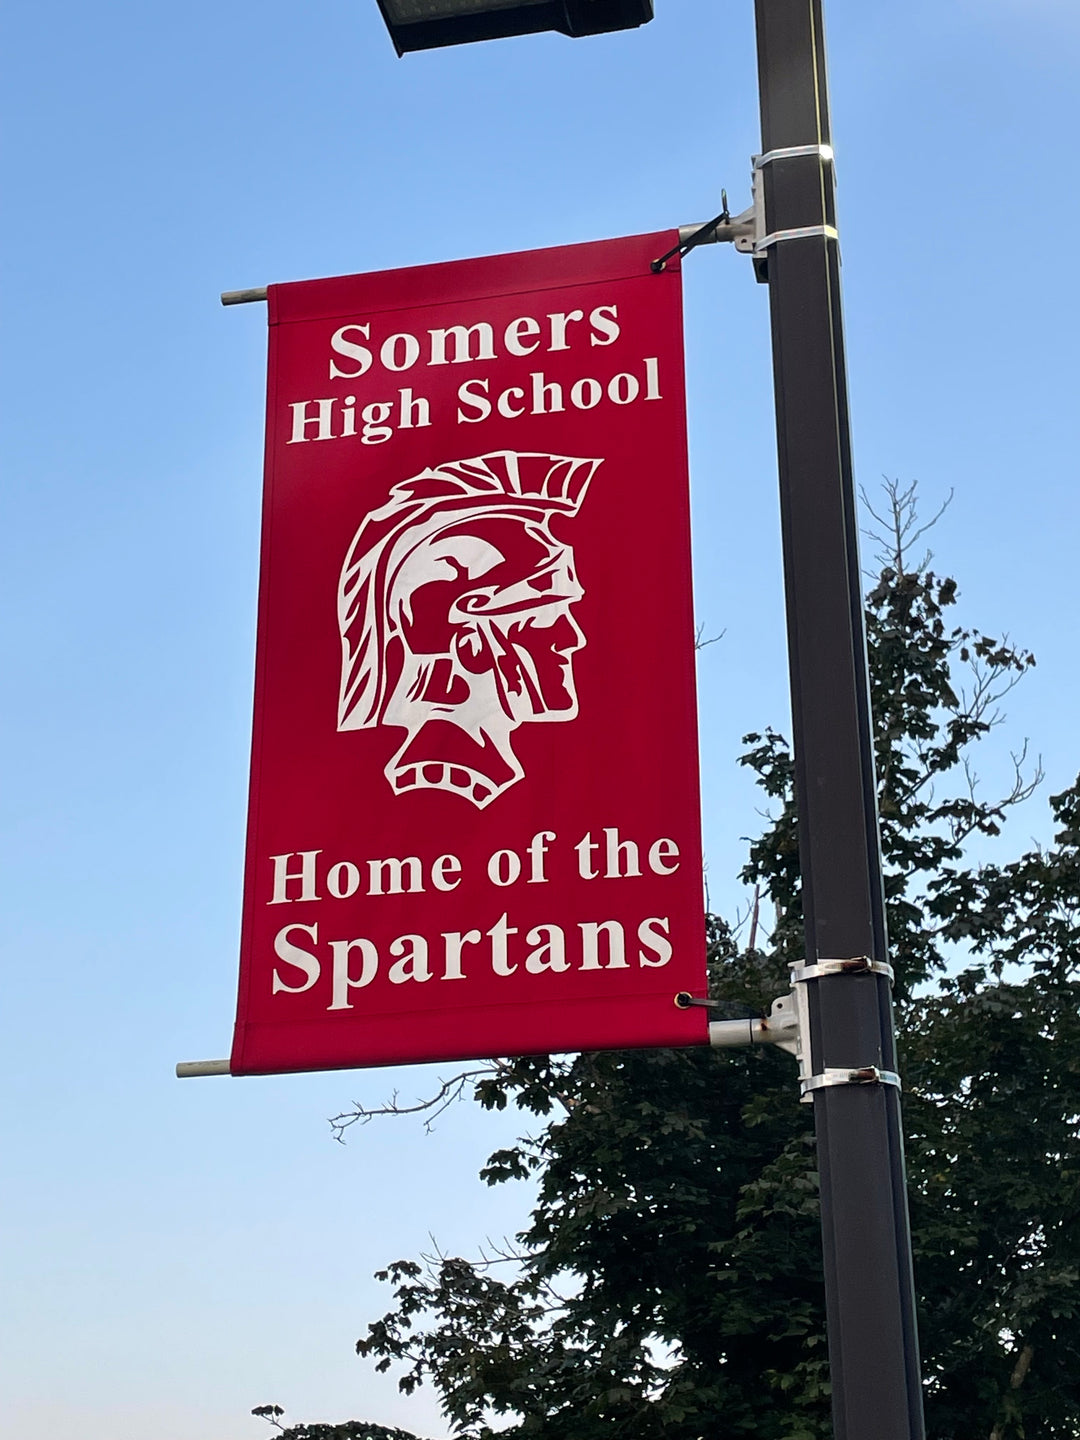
454,607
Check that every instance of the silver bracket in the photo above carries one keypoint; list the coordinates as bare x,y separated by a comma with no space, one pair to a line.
853,965
787,1025
744,230
793,152
780,1028
802,232
753,233
802,972
756,240
865,1075
739,228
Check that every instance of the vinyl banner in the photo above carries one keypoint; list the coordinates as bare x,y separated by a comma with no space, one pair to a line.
473,825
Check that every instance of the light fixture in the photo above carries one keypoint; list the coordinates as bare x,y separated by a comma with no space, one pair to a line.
430,24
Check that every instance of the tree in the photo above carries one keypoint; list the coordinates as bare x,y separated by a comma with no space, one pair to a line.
669,1282
347,1430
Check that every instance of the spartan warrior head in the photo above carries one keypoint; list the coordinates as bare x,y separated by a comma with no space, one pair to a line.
454,607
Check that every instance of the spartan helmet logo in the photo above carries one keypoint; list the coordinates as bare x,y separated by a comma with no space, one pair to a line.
454,607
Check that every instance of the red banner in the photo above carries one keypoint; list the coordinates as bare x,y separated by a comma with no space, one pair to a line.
473,825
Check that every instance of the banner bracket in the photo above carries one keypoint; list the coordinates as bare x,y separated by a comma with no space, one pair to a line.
187,1068
788,1024
780,1027
864,1075
801,232
794,152
243,297
721,228
853,965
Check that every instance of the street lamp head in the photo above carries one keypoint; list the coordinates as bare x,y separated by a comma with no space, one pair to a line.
431,24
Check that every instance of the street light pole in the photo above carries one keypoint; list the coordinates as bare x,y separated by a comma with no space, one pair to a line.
870,1305
869,1290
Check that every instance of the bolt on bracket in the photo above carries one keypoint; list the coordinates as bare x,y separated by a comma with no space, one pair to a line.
748,231
787,1025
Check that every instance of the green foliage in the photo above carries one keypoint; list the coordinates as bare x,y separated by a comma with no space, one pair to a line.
350,1430
669,1285
346,1430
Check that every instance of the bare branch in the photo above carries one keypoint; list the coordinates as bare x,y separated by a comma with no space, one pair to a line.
990,684
448,1093
900,530
755,915
435,1105
700,644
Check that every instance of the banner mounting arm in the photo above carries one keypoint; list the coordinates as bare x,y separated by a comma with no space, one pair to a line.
787,1025
721,227
187,1068
243,297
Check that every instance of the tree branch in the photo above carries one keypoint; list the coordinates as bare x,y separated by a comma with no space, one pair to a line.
900,525
1016,1379
435,1105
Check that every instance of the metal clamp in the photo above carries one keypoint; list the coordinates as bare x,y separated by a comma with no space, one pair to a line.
780,1027
854,965
787,1025
864,1075
802,232
793,152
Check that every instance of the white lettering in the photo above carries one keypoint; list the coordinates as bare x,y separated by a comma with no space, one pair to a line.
661,850
586,394
343,880
443,867
623,389
616,853
375,429
504,405
649,936
512,335
603,319
342,981
462,337
537,849
455,943
410,352
393,872
590,945
541,393
410,407
414,962
301,420
360,353
504,867
479,403
550,954
498,935
585,848
282,876
559,324
293,955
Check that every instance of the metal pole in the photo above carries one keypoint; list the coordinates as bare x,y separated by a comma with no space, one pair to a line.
869,1291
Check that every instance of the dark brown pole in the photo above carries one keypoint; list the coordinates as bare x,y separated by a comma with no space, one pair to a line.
873,1348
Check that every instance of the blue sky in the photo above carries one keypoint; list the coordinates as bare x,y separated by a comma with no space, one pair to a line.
181,1252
